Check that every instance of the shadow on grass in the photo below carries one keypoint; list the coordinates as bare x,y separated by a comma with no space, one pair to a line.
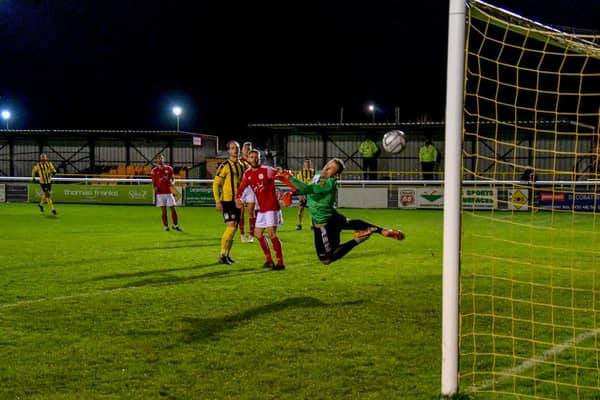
207,242
199,329
170,280
179,246
147,273
160,280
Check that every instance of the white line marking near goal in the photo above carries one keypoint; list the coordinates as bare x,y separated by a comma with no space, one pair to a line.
535,360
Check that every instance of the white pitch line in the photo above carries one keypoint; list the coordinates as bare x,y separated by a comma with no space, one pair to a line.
73,296
535,360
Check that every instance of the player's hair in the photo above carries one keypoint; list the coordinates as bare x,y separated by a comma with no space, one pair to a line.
340,165
233,142
255,151
248,143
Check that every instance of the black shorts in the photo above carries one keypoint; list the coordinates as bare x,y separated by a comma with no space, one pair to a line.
46,187
327,238
230,211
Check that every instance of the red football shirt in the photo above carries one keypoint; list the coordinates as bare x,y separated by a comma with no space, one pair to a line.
161,179
262,182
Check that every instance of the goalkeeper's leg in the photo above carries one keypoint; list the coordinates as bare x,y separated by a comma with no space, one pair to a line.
359,225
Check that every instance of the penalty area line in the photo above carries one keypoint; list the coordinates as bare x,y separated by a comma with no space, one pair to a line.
506,374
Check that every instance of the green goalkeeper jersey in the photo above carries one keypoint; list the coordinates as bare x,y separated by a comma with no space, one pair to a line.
320,196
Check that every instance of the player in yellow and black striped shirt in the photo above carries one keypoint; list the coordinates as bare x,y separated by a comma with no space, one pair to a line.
45,170
306,174
227,180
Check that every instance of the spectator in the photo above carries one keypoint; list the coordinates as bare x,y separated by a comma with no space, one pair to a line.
369,151
428,156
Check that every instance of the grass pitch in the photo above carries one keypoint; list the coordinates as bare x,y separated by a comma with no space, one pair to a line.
100,303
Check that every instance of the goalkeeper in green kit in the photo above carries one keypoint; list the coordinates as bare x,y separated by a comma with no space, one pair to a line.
327,222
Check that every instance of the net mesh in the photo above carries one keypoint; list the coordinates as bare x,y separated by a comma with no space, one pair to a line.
530,283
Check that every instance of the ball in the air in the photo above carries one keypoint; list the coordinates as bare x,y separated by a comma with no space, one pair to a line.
394,141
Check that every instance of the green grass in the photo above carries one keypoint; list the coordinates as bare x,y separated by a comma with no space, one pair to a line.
100,303
530,305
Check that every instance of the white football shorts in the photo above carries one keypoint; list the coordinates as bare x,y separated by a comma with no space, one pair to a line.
165,200
269,218
248,195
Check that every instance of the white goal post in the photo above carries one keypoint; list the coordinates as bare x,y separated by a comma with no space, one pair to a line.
452,192
521,311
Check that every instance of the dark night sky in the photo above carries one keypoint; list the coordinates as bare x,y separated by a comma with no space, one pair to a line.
108,64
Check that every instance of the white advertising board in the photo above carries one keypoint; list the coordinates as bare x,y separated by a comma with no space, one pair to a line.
362,197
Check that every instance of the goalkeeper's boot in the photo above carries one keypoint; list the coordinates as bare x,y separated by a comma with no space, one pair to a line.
392,233
177,228
223,259
41,207
361,236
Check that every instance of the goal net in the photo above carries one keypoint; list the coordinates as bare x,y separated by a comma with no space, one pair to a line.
530,262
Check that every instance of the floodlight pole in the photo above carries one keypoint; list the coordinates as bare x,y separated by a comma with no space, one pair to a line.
6,116
177,111
452,196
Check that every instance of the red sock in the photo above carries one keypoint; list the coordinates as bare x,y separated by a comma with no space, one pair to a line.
251,222
264,245
278,250
164,219
174,216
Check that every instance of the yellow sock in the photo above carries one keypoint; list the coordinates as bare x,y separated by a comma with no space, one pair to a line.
50,203
227,240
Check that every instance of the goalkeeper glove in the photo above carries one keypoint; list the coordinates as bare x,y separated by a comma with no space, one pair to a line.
284,176
287,198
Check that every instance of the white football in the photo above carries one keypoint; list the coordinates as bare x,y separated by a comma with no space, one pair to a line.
394,141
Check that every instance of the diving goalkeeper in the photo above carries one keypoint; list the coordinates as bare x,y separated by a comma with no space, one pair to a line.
327,222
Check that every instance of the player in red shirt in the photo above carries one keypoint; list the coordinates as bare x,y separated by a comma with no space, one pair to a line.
248,200
261,178
162,180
